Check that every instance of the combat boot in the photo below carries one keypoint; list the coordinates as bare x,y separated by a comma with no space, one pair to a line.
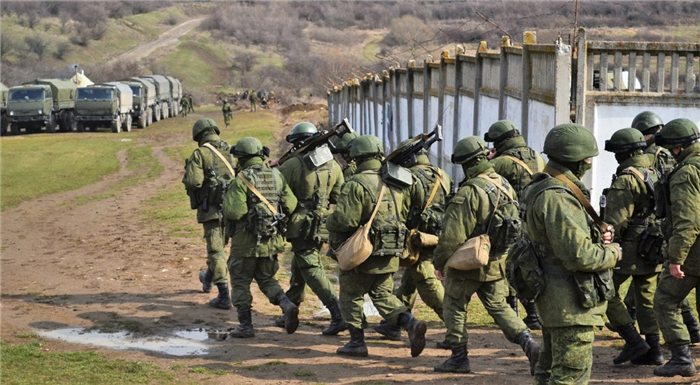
444,344
337,324
245,325
532,320
416,332
654,356
457,363
389,331
223,301
635,345
205,277
513,303
691,323
680,364
291,313
531,349
356,346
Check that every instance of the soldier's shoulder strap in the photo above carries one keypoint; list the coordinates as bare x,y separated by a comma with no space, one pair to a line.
496,182
258,194
633,171
221,156
438,176
520,163
579,195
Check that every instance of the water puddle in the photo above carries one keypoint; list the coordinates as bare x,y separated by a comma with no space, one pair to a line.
184,343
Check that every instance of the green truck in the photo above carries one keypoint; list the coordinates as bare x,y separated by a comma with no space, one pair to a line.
41,103
175,95
107,105
144,101
3,108
163,95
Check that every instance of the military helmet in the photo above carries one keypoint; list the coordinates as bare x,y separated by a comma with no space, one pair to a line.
500,131
342,144
225,101
677,132
626,139
247,147
203,125
468,149
570,142
647,122
301,131
366,145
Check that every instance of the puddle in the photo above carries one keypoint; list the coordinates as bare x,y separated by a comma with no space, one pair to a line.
186,343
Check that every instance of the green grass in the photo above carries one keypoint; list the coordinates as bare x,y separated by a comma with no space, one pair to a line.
30,364
37,165
192,63
371,48
304,373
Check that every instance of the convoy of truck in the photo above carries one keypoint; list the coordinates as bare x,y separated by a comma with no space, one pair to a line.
58,104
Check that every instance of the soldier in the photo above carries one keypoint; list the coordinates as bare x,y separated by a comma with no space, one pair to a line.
253,98
629,208
419,278
207,173
228,112
575,255
316,186
184,107
255,208
190,103
482,195
681,272
359,197
341,146
515,161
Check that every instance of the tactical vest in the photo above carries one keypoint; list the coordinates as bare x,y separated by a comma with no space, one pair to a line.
314,201
388,231
217,177
661,159
430,218
503,225
527,156
260,220
663,194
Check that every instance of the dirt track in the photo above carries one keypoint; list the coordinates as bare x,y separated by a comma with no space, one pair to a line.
100,263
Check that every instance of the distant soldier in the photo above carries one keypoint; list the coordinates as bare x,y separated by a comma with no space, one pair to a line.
341,147
207,173
190,101
681,273
256,206
228,113
515,161
253,98
184,104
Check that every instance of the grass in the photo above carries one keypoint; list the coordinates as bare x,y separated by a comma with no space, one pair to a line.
304,373
371,48
32,363
193,63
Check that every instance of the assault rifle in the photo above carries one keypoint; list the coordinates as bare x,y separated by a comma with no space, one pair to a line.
404,156
317,139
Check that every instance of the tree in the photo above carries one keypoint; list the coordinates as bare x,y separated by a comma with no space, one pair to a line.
410,32
37,44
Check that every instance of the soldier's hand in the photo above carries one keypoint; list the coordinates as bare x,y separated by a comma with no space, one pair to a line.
492,154
675,270
608,236
440,275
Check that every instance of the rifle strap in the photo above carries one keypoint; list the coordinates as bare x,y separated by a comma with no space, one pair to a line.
519,162
258,194
579,195
376,208
226,162
656,155
635,172
498,184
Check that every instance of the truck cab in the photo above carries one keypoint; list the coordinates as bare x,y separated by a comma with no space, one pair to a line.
30,107
106,105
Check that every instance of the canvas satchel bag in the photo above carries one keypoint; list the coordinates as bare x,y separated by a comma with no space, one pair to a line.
418,240
358,247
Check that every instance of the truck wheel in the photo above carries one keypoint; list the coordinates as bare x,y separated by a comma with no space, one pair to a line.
164,111
51,125
117,125
149,117
156,113
14,128
141,123
126,125
72,123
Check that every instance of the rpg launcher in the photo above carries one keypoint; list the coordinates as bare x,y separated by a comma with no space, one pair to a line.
316,140
394,166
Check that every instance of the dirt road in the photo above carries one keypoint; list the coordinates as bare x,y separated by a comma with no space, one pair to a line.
102,264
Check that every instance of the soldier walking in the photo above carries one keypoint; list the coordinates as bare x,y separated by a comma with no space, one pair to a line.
207,173
360,196
185,103
228,112
190,104
315,180
574,254
253,99
482,196
681,273
255,208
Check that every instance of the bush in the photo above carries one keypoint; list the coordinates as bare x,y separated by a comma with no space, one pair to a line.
62,50
37,44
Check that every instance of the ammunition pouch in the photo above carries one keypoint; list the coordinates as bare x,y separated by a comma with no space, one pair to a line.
593,288
525,270
650,246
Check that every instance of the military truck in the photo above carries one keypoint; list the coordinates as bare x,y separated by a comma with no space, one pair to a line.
163,94
176,94
3,107
42,102
144,101
106,105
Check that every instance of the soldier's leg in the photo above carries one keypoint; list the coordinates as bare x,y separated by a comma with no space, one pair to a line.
353,286
216,257
309,266
629,302
493,297
383,298
242,271
544,366
617,312
572,354
430,289
458,293
644,290
406,292
667,306
691,323
297,284
264,274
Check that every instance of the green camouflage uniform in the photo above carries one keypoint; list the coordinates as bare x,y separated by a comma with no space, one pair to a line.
374,276
467,216
228,113
567,241
420,277
628,210
253,98
350,169
184,104
661,159
250,257
199,167
683,246
315,189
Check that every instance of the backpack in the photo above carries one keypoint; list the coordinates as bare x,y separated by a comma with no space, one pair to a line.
265,218
525,273
219,175
388,232
431,217
504,226
527,162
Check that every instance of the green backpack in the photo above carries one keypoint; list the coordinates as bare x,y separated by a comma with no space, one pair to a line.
504,226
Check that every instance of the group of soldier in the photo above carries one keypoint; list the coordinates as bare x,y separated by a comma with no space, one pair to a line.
536,214
187,102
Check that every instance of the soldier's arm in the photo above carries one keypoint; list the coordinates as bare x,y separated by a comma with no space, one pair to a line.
414,201
291,170
685,209
621,199
506,168
349,210
566,226
235,202
288,200
447,181
337,174
458,223
194,172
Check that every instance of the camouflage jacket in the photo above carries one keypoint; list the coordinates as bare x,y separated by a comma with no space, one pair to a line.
349,169
516,175
684,243
661,159
226,109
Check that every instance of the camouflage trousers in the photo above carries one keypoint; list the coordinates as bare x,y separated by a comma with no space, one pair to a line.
307,269
420,279
668,301
630,300
227,119
644,288
353,287
244,270
216,256
458,294
566,355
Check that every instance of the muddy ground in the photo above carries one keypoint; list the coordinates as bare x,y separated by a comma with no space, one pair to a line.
102,263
